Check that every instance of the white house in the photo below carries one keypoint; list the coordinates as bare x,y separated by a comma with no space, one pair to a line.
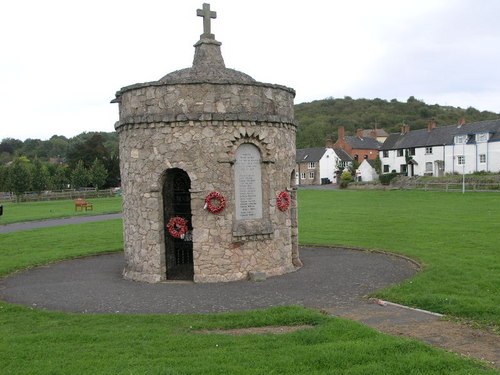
319,165
366,171
462,148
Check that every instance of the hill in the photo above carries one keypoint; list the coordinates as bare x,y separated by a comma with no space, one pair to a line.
320,119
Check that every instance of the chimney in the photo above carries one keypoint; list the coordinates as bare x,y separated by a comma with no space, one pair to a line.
461,122
373,133
431,125
341,133
329,143
405,129
359,133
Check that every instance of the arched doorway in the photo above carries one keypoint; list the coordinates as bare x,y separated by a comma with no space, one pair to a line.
177,202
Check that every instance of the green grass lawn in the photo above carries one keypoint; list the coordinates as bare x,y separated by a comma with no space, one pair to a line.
40,342
29,211
24,249
455,237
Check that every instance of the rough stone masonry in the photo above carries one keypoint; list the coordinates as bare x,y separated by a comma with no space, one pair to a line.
199,130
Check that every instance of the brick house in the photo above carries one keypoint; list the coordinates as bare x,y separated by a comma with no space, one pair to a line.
358,146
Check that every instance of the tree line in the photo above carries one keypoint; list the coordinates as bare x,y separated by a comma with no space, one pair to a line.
87,160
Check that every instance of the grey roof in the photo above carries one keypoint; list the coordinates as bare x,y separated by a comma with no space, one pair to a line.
362,143
441,135
344,156
306,155
378,133
371,162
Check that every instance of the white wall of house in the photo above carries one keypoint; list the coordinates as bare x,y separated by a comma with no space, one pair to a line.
367,172
479,156
327,164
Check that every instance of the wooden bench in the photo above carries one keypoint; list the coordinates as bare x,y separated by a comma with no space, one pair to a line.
81,203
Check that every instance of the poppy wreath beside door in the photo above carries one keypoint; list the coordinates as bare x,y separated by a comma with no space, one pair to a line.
177,227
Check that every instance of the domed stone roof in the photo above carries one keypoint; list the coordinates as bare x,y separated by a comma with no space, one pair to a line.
208,66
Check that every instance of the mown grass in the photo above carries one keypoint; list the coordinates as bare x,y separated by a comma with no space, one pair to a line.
29,211
38,342
25,249
455,236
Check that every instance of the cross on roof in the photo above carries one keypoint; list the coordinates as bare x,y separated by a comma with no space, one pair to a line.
207,14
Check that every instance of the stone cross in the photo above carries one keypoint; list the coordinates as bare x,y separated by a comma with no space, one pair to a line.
207,14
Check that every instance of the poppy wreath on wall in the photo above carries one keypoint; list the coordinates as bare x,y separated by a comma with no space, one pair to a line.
283,201
215,202
177,227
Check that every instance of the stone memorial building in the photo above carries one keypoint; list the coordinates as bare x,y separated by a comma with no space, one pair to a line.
207,158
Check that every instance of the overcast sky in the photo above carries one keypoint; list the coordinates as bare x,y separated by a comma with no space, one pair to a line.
61,61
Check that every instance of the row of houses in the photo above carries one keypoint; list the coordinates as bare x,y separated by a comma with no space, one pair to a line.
434,151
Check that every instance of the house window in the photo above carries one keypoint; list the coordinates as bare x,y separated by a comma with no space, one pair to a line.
461,160
460,139
302,175
386,168
403,168
400,152
428,150
311,175
311,165
385,154
411,151
482,158
482,137
428,167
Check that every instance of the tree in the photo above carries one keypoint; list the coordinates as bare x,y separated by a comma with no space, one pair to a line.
20,177
113,167
59,179
79,176
4,178
378,165
39,176
97,174
87,151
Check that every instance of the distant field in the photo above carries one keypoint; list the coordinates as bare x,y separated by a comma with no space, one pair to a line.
455,236
29,211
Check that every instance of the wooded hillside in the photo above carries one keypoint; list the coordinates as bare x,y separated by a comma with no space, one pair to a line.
320,119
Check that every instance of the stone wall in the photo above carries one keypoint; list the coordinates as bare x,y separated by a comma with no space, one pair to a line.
156,102
205,150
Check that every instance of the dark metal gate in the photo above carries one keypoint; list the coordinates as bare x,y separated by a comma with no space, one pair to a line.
177,202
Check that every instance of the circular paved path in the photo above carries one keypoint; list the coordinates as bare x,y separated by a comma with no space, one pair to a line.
331,277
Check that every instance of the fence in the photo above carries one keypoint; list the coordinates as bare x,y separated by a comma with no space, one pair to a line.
453,186
58,195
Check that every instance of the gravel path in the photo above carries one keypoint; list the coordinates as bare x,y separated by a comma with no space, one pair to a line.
331,277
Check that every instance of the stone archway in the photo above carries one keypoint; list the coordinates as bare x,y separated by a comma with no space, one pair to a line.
177,202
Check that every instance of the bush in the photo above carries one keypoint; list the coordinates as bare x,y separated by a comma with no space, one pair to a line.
345,178
385,179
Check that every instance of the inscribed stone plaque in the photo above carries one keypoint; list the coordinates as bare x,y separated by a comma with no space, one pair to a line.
248,183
